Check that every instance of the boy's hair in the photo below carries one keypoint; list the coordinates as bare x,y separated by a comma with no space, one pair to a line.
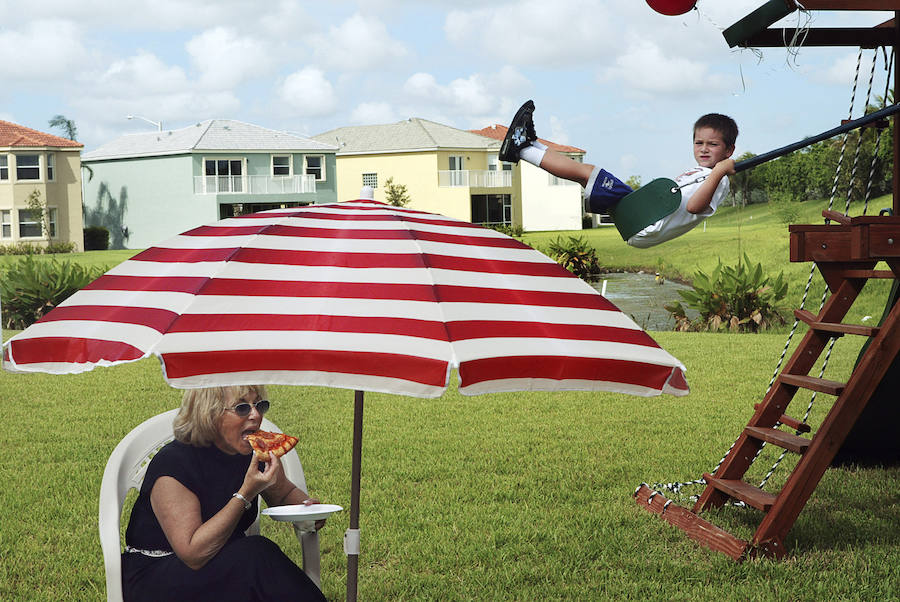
723,124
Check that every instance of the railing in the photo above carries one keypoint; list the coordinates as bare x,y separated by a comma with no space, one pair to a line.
474,179
254,184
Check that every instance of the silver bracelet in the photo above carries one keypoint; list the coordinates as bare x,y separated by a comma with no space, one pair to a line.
244,500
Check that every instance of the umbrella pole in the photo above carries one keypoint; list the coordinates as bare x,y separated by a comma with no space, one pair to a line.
351,537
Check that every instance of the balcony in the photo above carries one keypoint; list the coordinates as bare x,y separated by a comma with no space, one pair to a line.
474,179
254,184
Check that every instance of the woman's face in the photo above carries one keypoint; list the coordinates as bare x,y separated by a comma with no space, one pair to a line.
233,429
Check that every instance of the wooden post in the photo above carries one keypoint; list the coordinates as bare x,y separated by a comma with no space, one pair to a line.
896,157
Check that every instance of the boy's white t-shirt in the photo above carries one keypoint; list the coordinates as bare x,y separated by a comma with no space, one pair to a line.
681,220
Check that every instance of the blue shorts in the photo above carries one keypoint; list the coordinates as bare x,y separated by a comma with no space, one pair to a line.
604,191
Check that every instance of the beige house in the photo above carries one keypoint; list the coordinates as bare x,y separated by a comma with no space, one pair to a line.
450,171
44,168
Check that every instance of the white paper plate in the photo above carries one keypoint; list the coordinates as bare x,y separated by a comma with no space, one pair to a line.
301,512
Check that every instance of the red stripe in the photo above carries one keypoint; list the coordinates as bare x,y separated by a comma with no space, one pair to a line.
399,234
431,219
477,241
415,369
333,259
497,266
471,294
163,255
225,230
71,350
157,319
178,284
319,323
300,289
564,368
484,329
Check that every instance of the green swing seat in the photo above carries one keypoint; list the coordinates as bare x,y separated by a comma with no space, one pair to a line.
646,205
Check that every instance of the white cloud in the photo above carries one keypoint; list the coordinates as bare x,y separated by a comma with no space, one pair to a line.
645,68
557,132
224,59
357,44
309,93
41,50
369,113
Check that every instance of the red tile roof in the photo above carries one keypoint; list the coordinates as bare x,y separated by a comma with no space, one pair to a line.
12,134
498,132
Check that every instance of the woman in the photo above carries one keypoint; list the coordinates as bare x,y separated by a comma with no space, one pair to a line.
185,539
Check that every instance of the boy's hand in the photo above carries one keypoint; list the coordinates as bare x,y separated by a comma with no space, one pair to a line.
725,166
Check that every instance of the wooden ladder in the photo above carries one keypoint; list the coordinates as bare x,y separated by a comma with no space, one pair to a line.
846,255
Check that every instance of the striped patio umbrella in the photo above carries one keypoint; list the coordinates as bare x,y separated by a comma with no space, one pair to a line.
358,295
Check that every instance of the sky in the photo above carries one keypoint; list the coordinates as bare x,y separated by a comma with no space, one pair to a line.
611,77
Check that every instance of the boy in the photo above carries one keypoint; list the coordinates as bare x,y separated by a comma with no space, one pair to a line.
702,188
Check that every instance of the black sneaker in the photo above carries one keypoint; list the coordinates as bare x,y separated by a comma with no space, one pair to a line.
520,134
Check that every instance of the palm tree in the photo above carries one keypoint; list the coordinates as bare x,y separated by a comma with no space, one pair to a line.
67,125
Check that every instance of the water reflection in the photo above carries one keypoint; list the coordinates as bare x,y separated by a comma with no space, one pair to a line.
642,296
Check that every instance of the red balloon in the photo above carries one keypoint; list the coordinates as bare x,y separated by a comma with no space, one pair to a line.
672,7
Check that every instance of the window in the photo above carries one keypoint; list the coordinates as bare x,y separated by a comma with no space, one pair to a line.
51,221
29,223
224,175
4,167
281,165
370,179
51,163
493,162
28,167
315,166
6,223
491,209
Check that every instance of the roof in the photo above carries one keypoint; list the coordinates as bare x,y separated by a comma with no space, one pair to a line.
13,134
499,132
209,135
409,135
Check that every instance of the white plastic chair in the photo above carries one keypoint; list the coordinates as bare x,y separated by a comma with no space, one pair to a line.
125,470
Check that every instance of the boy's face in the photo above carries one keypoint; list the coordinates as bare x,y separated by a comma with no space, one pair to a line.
709,148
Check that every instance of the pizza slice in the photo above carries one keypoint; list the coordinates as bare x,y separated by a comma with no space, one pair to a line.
264,442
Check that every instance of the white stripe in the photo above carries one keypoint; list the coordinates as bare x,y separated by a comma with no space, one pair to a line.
476,349
512,282
532,313
361,382
326,306
178,342
170,301
202,269
135,335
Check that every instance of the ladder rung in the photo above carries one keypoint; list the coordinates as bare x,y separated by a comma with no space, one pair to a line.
789,421
812,383
739,490
784,440
832,328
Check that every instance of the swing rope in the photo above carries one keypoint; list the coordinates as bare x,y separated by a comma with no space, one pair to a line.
676,486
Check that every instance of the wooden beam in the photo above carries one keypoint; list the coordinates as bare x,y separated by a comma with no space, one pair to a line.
867,37
851,5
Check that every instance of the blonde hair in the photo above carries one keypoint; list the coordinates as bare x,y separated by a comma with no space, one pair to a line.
197,422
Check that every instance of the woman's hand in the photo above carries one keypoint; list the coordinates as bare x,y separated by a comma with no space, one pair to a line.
255,480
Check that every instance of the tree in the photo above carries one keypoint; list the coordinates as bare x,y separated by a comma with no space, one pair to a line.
38,208
634,182
67,125
396,194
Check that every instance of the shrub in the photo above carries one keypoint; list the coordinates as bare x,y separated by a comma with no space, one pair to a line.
514,231
96,238
59,247
738,298
20,248
30,288
577,256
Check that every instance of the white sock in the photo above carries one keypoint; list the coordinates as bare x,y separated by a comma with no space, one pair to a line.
533,153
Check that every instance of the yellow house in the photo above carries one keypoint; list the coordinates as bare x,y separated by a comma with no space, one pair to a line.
45,170
446,170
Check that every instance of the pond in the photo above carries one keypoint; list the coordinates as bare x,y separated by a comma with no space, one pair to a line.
641,297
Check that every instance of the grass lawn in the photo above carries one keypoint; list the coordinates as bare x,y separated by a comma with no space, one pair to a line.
523,496
520,496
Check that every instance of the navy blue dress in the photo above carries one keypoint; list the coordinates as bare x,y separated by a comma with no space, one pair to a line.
246,568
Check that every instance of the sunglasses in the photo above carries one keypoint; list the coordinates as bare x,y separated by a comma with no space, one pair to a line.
243,409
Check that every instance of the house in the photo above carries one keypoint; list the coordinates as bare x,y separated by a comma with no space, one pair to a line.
548,202
38,169
449,171
147,187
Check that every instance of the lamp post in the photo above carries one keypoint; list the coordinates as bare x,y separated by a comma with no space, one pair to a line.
158,124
